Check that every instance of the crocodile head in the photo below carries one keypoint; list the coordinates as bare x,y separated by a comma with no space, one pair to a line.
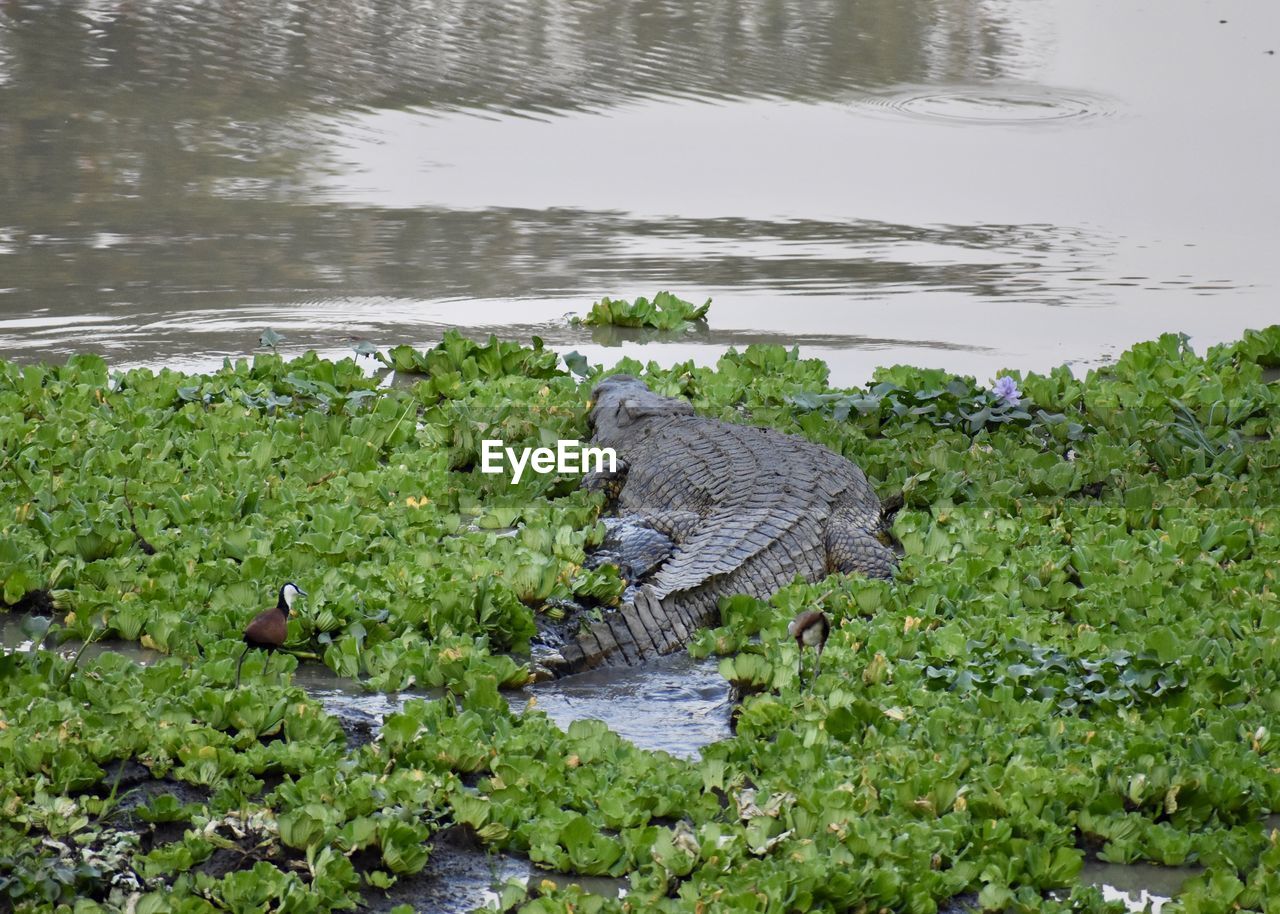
621,401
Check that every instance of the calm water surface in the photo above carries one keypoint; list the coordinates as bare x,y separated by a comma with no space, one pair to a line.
964,183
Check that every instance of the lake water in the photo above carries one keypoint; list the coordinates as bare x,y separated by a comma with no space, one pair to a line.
962,183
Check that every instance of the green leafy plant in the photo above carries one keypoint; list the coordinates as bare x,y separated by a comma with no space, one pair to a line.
1075,659
664,312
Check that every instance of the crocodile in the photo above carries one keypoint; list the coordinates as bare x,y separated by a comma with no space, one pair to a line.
632,546
748,510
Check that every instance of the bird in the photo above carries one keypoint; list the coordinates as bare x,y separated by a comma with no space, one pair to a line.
810,628
270,627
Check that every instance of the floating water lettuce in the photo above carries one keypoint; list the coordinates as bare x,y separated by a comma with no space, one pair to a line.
664,312
1076,659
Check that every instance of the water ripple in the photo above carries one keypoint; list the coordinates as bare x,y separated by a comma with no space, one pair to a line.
1013,104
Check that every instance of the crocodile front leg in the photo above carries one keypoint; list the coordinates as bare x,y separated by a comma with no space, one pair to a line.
610,482
854,549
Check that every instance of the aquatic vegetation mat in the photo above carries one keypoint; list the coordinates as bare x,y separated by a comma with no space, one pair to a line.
1077,658
664,311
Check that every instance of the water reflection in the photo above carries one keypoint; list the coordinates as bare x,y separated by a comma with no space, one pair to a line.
891,174
446,254
548,56
20,633
674,704
187,291
1139,886
157,161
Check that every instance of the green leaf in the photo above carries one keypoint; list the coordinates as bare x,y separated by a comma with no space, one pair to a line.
577,363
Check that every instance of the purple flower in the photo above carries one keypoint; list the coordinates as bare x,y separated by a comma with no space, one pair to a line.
1006,389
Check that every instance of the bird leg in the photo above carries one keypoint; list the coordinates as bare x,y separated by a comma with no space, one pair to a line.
240,663
817,663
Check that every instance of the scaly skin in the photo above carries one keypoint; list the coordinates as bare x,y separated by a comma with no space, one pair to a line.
750,509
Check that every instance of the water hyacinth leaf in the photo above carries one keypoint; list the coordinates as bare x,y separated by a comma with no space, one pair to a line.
307,826
589,852
34,628
404,848
357,834
577,364
167,808
843,724
1074,609
749,672
806,400
269,339
326,621
665,312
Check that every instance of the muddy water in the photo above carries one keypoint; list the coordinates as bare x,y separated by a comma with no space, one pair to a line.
675,704
461,879
22,633
1138,886
682,706
966,183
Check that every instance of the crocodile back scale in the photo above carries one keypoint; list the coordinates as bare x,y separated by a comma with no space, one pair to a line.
750,509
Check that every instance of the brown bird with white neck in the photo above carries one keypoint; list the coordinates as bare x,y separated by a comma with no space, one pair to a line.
270,627
810,629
